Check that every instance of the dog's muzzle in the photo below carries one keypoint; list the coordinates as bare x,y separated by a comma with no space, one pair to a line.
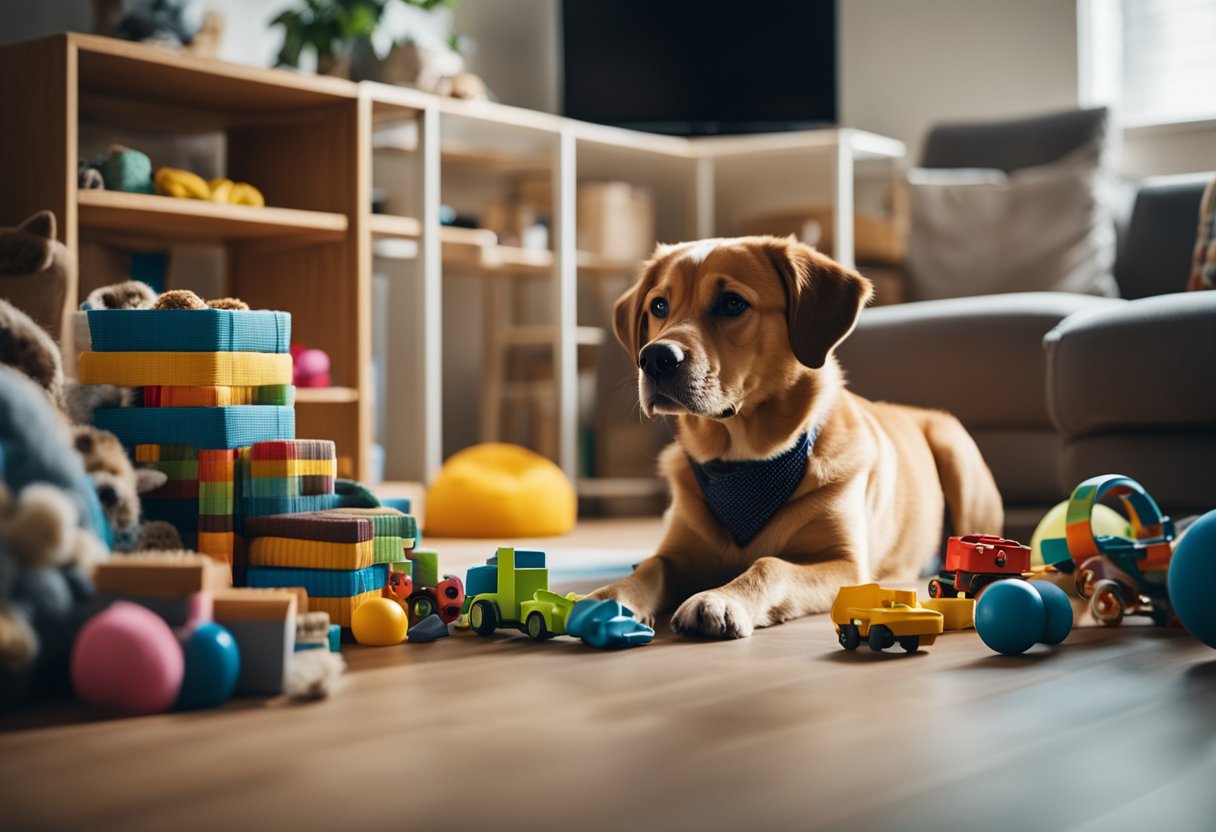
661,361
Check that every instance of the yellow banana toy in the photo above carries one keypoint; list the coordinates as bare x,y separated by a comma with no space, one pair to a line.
181,184
227,192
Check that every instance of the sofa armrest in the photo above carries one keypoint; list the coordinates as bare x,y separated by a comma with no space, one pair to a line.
1143,365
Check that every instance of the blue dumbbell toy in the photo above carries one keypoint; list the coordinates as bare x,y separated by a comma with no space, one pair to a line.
1013,615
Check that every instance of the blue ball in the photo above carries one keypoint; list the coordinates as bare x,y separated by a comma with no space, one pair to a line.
213,663
1010,616
1058,609
1192,576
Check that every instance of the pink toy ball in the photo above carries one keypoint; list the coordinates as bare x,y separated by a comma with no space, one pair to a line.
311,368
126,659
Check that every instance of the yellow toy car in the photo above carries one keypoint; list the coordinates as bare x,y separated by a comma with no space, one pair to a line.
882,617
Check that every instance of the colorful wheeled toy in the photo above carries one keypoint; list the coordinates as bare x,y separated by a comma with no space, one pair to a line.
973,561
1118,575
512,590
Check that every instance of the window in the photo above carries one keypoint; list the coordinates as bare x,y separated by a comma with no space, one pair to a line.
1153,61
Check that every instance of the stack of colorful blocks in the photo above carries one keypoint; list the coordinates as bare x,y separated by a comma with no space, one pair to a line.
332,556
215,414
197,374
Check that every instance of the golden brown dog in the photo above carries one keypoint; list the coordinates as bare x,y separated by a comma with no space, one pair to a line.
734,338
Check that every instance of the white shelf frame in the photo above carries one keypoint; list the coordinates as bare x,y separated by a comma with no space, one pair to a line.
419,456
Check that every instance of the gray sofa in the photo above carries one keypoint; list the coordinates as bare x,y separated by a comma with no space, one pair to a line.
1059,387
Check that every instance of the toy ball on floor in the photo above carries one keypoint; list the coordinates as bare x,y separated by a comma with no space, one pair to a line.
127,659
498,491
379,622
1105,521
1191,578
213,663
1058,609
1013,615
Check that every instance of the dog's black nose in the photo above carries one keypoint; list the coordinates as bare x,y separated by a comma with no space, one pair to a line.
108,495
660,360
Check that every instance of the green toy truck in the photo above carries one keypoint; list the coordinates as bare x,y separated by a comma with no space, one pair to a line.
512,590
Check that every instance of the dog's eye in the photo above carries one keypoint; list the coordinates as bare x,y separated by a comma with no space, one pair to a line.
730,305
658,308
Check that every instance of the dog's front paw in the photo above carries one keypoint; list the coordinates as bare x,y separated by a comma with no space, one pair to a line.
712,615
614,592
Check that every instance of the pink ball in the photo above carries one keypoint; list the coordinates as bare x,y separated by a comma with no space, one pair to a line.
311,368
127,659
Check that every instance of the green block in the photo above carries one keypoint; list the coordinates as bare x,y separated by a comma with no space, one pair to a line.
387,549
426,567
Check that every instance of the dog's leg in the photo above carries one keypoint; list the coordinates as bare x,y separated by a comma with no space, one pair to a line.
970,491
685,563
772,590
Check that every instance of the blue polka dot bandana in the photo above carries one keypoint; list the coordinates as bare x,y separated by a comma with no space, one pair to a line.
744,496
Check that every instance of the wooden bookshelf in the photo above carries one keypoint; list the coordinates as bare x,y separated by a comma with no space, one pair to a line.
307,143
194,220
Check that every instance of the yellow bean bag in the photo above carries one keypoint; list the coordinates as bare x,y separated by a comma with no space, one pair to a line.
500,491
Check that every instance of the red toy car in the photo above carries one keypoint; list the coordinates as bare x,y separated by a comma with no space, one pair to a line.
975,560
421,601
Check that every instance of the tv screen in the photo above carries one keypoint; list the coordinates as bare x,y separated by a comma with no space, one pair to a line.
695,67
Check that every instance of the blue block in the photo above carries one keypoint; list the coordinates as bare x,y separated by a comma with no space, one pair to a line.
192,330
402,504
481,579
529,559
217,428
323,583
335,638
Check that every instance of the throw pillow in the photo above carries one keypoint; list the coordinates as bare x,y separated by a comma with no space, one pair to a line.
980,232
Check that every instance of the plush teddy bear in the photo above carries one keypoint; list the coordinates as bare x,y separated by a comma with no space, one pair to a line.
130,294
35,270
119,486
50,526
27,348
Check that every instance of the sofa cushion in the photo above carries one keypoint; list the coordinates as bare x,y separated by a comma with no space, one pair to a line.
981,232
1176,467
979,358
1142,364
1012,144
1157,247
1023,461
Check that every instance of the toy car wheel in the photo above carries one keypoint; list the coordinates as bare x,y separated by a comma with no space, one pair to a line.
849,637
537,629
935,588
881,638
483,618
1106,605
910,643
1085,582
421,605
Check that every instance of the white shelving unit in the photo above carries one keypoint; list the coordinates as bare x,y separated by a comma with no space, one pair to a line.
698,184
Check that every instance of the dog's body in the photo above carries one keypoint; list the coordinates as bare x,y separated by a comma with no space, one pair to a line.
734,339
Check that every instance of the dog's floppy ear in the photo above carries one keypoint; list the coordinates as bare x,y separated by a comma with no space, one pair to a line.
628,316
823,298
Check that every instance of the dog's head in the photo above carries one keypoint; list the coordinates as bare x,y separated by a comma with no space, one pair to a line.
718,326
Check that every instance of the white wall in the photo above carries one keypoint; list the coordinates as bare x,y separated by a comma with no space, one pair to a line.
908,65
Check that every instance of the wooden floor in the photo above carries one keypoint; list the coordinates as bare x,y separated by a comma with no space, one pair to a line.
783,731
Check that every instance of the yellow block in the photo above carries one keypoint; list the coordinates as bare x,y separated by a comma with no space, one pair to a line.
310,554
340,609
280,468
185,369
957,613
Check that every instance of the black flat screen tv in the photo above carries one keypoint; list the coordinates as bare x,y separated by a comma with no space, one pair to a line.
698,67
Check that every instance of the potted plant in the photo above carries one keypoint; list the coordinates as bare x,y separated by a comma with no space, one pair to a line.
332,28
